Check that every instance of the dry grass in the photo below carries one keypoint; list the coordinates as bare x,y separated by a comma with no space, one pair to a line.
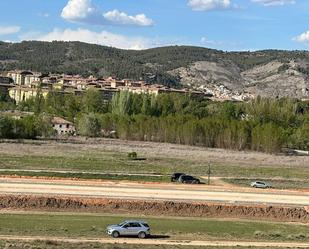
216,156
111,155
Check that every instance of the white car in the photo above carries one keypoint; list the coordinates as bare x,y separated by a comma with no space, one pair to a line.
258,184
131,228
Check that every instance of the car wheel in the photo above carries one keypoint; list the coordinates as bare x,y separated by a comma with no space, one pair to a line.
142,235
115,234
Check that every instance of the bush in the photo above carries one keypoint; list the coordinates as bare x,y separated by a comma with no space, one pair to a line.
259,234
275,234
132,155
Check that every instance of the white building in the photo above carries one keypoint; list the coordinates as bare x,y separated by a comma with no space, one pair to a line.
63,127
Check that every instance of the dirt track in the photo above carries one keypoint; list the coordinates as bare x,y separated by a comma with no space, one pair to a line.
162,242
167,192
153,199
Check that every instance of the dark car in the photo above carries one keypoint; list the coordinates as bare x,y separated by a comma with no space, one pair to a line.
189,179
175,177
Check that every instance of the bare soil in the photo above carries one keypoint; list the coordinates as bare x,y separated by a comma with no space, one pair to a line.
162,208
54,241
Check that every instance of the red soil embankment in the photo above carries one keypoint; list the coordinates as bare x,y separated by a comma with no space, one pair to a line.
170,208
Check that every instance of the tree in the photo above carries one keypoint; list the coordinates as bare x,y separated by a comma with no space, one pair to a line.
38,101
121,103
89,125
267,138
6,127
93,102
300,139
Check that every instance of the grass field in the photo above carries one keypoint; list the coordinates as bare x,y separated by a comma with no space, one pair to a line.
106,162
111,157
93,226
60,245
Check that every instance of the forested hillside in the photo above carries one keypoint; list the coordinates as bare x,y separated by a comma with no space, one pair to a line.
86,59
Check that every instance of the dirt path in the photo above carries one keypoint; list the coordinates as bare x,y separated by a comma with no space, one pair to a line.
134,241
147,192
218,181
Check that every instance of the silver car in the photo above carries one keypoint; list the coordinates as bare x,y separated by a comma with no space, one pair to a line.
258,184
129,228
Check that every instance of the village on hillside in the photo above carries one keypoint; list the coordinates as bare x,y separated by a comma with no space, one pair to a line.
22,85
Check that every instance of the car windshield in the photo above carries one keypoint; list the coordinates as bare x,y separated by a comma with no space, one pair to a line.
121,224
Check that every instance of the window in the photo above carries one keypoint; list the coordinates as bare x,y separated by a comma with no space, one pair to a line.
60,126
68,126
135,224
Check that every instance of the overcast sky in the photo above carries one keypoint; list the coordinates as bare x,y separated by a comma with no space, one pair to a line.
138,24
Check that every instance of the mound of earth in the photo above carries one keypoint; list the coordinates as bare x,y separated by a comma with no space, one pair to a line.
165,208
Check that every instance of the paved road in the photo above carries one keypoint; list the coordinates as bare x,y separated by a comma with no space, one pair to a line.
150,191
133,241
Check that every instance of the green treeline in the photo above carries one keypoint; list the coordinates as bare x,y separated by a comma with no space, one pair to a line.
266,125
26,128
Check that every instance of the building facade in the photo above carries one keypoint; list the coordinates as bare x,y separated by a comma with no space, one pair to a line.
63,127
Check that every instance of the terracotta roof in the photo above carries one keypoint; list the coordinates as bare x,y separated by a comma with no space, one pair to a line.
58,120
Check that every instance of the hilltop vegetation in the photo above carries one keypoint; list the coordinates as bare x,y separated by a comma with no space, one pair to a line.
152,65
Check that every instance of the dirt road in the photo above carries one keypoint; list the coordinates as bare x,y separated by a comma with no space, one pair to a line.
150,192
133,241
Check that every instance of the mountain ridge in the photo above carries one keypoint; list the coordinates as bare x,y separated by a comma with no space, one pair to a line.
271,73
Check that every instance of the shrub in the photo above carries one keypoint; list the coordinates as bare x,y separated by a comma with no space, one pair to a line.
132,155
259,234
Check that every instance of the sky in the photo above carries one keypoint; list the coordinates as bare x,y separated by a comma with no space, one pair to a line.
230,25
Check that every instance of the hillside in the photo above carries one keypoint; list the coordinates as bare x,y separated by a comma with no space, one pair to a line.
267,73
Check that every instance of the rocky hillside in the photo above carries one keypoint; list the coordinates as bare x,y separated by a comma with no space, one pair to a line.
272,79
271,73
